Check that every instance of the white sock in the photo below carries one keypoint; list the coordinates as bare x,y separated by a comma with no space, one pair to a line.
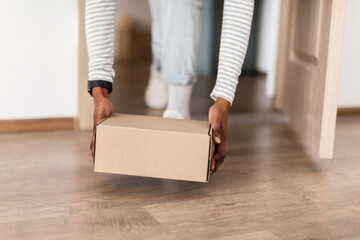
179,97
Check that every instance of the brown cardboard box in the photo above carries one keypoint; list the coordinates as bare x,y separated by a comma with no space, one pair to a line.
153,147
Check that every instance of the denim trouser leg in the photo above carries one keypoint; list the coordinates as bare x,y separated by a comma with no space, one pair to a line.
176,26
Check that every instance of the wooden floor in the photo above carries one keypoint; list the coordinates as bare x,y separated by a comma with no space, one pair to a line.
268,188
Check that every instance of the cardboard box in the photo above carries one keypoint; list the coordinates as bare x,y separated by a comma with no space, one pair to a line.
154,147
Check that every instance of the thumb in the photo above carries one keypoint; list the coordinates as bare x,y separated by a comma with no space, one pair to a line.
216,132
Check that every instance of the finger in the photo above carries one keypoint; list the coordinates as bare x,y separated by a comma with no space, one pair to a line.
213,159
218,157
221,148
216,131
212,165
216,161
92,150
213,162
92,144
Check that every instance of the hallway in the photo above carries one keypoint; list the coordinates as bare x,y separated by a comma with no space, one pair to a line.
267,188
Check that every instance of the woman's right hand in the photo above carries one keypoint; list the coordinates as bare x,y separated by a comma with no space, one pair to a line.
218,116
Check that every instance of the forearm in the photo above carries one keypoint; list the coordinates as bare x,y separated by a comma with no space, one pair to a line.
237,18
100,24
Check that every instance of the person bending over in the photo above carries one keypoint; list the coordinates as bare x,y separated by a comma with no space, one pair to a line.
175,40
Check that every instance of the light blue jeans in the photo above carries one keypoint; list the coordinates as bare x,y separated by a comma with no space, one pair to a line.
176,27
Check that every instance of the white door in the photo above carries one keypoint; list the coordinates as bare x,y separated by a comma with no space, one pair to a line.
308,71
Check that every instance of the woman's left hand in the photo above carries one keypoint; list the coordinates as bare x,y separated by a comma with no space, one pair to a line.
218,115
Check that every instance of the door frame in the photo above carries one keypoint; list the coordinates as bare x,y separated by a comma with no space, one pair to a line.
85,103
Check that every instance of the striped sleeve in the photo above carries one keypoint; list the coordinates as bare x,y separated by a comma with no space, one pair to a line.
235,34
100,26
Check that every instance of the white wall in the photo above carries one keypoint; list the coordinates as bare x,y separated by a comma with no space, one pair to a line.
38,58
349,93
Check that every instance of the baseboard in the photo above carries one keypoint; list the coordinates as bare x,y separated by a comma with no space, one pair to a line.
348,110
43,124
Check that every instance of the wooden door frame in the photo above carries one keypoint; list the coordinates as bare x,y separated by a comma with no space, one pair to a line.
85,104
281,56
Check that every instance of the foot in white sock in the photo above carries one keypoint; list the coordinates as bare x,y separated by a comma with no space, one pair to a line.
174,114
179,97
156,90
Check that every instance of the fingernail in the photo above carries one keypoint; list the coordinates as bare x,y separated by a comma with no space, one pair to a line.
217,139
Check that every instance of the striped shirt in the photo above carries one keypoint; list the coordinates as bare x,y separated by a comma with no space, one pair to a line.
237,18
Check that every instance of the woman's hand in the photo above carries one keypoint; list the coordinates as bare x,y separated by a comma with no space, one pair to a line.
103,108
218,115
